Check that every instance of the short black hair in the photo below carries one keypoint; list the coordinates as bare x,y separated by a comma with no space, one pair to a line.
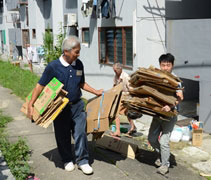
167,58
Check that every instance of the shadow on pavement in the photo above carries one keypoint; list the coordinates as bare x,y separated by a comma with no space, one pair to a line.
148,157
2,177
100,154
95,153
53,155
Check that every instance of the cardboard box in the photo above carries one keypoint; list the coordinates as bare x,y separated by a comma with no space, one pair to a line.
106,112
125,148
16,63
49,104
48,94
197,137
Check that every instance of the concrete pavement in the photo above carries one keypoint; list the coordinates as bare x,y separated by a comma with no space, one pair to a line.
45,160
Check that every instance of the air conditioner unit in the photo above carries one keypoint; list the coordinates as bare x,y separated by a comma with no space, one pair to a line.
70,19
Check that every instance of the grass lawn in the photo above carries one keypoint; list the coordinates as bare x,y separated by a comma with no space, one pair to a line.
20,81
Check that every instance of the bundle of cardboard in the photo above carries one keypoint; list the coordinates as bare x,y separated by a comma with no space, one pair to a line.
49,104
102,110
152,89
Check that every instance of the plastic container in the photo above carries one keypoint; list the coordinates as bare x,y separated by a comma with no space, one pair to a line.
176,135
113,127
186,133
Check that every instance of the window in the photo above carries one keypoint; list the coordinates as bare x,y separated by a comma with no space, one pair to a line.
25,36
49,30
116,45
34,33
27,16
85,35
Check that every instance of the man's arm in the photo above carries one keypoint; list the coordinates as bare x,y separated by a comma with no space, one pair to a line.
180,97
88,88
36,92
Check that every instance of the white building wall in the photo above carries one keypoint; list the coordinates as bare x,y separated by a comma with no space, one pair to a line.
148,35
39,22
57,17
150,32
6,24
33,7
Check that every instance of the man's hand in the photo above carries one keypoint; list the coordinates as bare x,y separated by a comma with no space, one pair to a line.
99,92
88,88
30,111
36,92
166,108
180,96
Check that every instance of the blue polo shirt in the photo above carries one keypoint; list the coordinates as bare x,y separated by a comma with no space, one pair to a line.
71,75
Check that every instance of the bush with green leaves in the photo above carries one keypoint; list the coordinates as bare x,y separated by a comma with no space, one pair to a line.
53,52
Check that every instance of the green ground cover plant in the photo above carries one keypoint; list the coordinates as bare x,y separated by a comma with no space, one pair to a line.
16,154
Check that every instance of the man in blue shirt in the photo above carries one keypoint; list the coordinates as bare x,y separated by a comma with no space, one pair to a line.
70,71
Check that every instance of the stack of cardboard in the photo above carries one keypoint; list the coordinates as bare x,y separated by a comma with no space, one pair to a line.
151,90
49,104
128,149
102,110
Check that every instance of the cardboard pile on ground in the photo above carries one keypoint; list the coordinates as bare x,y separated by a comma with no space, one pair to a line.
49,104
127,149
102,110
151,90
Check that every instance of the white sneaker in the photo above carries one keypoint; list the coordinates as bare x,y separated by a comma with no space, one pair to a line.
69,166
86,168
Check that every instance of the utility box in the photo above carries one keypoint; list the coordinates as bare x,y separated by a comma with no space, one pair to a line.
70,19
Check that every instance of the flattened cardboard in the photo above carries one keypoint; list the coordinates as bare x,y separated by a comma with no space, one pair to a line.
50,103
125,148
93,108
47,95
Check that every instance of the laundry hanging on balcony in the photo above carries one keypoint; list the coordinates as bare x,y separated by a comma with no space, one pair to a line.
86,8
108,9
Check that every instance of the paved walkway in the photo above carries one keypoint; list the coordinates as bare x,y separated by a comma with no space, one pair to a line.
107,165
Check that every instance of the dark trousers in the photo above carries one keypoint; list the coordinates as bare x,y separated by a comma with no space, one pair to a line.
72,120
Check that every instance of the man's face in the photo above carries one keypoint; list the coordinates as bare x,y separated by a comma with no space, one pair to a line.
117,71
166,66
73,54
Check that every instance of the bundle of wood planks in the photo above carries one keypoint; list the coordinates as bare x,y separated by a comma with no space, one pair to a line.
152,89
